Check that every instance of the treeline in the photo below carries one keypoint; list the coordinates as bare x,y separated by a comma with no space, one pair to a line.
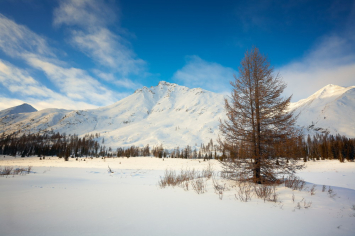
318,147
326,147
53,144
65,146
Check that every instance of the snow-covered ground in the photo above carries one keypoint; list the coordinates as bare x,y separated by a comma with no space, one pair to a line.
82,198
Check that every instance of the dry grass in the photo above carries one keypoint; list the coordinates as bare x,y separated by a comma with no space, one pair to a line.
186,178
9,170
313,189
110,170
199,185
244,191
294,182
263,191
6,171
331,192
307,205
170,178
324,188
218,188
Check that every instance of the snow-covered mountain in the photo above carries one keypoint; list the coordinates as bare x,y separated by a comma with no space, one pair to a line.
331,109
175,115
24,108
166,114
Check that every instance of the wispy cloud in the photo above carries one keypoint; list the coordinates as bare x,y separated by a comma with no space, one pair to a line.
88,23
208,75
28,90
331,61
75,83
78,88
85,13
17,40
111,78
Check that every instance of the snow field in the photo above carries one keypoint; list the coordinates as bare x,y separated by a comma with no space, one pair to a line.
83,198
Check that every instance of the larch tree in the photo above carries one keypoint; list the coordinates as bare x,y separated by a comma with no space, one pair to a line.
259,134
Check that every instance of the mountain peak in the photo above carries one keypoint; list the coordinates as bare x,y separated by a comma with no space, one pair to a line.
164,83
23,108
332,86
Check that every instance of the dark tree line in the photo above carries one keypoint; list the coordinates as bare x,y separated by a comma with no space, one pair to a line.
318,147
54,144
326,147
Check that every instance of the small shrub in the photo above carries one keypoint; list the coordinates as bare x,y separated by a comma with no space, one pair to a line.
198,185
244,191
324,188
313,189
274,195
18,171
207,173
7,170
294,182
331,192
298,206
307,205
218,188
263,192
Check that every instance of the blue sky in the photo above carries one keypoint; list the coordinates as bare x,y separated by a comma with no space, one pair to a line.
83,54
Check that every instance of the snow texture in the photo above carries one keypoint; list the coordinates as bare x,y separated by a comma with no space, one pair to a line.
82,198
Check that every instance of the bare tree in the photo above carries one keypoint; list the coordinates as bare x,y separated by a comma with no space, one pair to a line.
258,124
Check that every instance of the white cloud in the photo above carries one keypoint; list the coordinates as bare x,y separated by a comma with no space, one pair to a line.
85,13
17,40
88,21
208,75
9,102
111,78
17,81
332,61
77,88
21,84
74,83
108,50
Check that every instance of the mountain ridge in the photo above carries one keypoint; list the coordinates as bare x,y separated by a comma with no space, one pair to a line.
175,115
167,114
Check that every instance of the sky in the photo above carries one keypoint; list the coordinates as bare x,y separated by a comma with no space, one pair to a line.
83,54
